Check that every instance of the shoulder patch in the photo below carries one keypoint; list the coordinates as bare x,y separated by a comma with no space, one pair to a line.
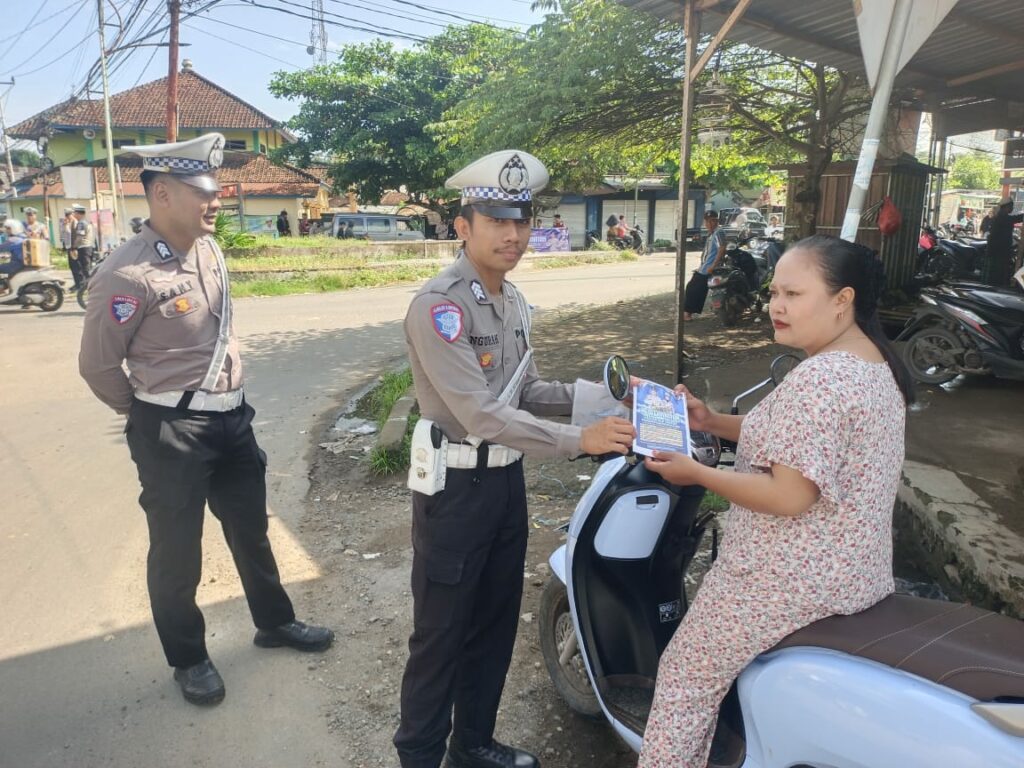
163,250
123,308
447,319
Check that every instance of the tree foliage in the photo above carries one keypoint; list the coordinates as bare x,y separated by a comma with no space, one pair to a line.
24,158
973,170
371,112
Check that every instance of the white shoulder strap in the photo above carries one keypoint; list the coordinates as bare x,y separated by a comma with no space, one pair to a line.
220,352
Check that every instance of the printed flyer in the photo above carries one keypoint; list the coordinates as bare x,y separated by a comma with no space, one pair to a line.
660,419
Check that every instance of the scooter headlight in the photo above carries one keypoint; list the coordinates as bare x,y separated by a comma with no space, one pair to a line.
716,281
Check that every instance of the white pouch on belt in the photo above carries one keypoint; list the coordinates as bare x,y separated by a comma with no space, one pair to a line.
428,458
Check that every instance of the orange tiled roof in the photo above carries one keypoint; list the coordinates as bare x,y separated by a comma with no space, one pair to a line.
201,104
257,175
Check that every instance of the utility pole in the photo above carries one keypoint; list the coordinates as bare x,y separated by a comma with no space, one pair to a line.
174,8
111,174
7,146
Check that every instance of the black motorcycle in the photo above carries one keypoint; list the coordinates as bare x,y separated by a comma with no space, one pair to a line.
962,258
965,328
740,281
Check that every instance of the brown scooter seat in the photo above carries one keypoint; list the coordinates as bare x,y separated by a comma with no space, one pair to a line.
968,649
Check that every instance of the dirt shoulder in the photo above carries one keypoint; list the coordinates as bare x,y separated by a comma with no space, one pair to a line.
357,529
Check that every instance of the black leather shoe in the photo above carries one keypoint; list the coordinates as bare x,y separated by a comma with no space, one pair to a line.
494,755
201,683
297,635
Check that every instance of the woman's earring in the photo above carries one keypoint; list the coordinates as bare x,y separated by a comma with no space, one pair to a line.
840,316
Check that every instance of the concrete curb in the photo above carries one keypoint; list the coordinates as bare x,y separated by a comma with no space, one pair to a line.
393,432
960,535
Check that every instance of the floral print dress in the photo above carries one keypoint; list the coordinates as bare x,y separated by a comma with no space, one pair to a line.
838,420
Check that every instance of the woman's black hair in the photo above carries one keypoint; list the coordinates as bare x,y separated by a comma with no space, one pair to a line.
849,265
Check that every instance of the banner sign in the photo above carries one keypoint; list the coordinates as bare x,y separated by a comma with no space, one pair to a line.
550,239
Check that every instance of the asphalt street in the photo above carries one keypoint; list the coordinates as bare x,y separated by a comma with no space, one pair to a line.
82,676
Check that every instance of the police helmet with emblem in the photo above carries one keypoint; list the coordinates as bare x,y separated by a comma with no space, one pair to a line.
501,184
193,162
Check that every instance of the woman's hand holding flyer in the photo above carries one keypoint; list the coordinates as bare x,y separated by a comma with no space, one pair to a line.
660,419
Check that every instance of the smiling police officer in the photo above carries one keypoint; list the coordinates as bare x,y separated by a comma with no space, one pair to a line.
161,303
480,395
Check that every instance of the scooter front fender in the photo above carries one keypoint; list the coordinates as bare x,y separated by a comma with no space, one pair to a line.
557,563
920,319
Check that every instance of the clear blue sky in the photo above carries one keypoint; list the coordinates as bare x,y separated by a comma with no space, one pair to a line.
48,46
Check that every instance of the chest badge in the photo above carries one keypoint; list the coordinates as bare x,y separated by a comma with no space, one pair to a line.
163,250
486,360
183,305
447,319
478,292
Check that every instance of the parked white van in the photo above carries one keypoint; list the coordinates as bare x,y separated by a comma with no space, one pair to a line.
377,226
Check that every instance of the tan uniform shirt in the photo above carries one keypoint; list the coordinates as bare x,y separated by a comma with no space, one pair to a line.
81,234
36,231
464,348
159,310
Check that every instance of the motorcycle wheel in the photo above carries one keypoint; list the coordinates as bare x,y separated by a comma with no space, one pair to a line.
928,355
53,297
556,630
729,312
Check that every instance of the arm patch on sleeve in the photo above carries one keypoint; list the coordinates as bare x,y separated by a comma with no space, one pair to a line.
123,308
447,320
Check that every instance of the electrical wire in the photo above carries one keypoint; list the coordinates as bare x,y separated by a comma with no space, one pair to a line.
245,47
374,30
47,42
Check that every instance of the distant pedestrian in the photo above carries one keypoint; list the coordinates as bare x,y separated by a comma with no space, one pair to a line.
558,223
34,229
1000,244
83,246
697,288
441,230
284,227
66,225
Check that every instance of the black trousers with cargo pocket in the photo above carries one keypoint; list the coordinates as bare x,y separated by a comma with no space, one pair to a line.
469,549
186,459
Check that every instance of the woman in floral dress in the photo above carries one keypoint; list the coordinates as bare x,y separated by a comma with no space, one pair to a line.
809,530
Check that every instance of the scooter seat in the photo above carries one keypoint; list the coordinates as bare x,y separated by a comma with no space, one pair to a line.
968,649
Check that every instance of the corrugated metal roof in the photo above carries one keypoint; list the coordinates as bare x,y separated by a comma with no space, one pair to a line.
977,35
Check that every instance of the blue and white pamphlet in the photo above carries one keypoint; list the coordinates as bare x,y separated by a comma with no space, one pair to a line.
660,420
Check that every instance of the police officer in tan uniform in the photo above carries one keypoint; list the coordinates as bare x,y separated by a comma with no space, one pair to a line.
161,303
468,333
34,228
83,242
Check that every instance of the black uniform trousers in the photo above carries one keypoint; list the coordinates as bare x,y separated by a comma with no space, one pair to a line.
81,265
186,459
469,550
695,294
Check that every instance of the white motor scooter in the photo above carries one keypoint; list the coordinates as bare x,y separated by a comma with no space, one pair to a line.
33,286
910,682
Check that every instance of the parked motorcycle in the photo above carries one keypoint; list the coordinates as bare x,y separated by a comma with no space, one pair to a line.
910,682
33,287
950,258
965,328
740,281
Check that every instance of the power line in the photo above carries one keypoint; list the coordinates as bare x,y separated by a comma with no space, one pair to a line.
47,42
383,13
383,32
245,47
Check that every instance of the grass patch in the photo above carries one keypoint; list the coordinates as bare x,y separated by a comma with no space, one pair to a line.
585,257
381,400
712,502
322,260
325,282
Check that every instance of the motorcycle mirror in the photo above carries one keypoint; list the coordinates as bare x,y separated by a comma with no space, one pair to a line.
782,365
616,377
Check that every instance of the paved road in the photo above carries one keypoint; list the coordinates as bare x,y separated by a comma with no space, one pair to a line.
82,677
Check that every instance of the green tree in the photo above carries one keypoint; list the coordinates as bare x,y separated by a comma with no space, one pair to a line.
23,158
973,170
370,114
596,74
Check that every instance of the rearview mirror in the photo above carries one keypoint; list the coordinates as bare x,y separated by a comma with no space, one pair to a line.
616,377
781,367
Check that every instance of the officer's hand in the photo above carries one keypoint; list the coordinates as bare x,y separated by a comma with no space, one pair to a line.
610,435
